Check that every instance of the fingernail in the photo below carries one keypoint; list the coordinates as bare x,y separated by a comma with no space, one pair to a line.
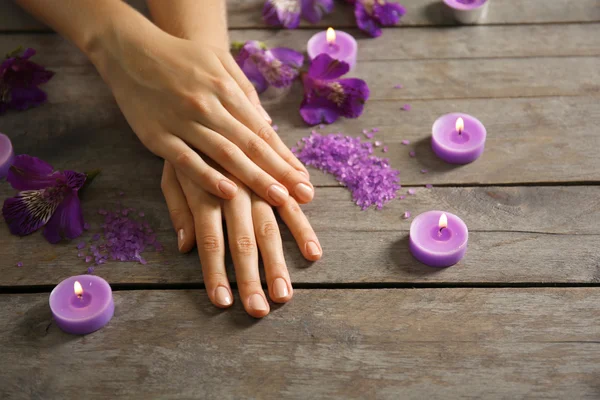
312,249
180,239
257,303
228,188
280,288
222,296
278,194
304,192
265,114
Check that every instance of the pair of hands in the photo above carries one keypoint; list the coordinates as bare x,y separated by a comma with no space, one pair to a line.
181,98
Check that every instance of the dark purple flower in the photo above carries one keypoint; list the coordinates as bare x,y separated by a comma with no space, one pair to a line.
47,197
326,98
277,67
284,13
371,15
313,10
19,81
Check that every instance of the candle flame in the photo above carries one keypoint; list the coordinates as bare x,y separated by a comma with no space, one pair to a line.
330,36
443,221
77,288
460,125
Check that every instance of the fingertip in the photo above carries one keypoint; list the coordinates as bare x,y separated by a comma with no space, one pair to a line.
281,291
222,297
313,251
257,306
185,240
228,189
304,193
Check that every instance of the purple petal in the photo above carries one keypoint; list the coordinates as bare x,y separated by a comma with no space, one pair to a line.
323,67
24,98
365,21
75,180
67,220
28,211
388,14
288,56
318,111
284,13
31,173
313,10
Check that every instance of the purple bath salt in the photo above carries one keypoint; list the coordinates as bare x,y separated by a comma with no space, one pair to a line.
406,215
370,178
405,142
429,186
385,149
19,264
412,153
80,245
424,171
406,107
275,128
412,191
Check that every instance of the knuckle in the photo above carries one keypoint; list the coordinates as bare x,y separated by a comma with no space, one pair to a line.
248,88
249,285
227,151
245,245
269,230
226,87
215,276
184,159
197,103
210,243
256,147
265,132
288,175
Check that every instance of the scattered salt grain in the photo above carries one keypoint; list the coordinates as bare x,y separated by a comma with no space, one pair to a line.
80,245
86,226
429,186
406,215
88,259
398,86
321,126
406,107
80,254
19,264
370,179
95,237
402,197
377,143
405,142
275,128
424,171
102,212
90,270
385,149
141,214
375,130
121,193
411,191
364,131
412,153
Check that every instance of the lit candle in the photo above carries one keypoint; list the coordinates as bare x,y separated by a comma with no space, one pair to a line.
82,304
339,45
6,155
438,239
468,11
458,138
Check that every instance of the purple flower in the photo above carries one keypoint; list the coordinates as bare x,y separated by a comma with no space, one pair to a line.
263,67
326,98
284,13
313,10
371,15
287,13
47,197
19,81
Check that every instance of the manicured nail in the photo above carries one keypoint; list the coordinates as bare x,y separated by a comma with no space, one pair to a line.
222,296
278,194
312,249
265,114
228,188
180,239
304,192
257,303
280,288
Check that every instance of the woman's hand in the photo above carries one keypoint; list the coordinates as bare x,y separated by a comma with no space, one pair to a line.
251,227
179,97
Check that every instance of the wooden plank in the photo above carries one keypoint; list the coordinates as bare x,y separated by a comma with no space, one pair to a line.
388,344
245,14
524,234
499,41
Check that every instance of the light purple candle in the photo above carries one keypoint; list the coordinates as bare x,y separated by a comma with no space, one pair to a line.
438,238
82,304
468,11
6,155
458,138
339,45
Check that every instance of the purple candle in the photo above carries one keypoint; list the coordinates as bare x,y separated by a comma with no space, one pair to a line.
339,45
438,239
82,304
6,155
468,11
458,138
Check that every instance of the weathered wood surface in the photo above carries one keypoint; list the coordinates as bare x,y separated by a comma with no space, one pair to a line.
517,235
245,14
388,344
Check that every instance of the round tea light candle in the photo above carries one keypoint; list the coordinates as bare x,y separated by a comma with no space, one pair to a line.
6,155
458,138
82,304
339,45
438,239
468,11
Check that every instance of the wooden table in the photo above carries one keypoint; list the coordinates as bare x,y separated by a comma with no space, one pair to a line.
519,317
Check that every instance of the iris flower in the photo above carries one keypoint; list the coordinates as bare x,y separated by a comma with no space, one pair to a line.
277,67
46,198
371,15
19,81
287,13
326,97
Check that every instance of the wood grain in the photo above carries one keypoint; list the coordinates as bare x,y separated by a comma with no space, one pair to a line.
385,344
525,234
244,14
